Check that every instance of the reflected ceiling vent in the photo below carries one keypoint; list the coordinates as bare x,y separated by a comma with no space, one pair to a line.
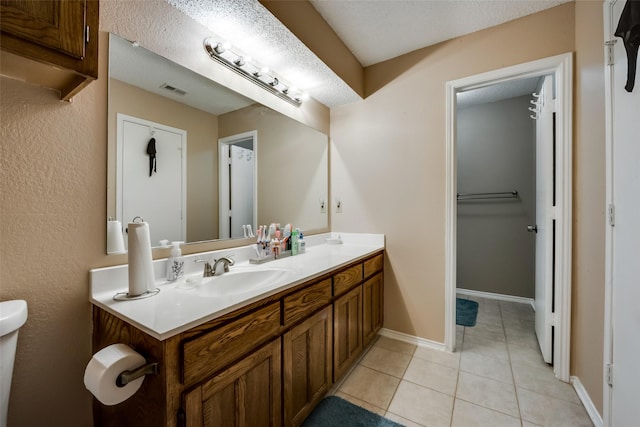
173,89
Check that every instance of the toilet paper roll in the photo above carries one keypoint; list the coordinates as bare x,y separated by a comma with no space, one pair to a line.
103,369
115,241
141,277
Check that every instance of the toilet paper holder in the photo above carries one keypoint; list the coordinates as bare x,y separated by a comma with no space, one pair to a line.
126,377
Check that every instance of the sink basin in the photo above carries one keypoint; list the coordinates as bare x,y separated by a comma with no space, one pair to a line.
241,281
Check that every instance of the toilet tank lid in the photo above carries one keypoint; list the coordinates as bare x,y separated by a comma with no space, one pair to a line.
13,314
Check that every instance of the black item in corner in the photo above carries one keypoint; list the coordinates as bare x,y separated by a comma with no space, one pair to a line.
629,30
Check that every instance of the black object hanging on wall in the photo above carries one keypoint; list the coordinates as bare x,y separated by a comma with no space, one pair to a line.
151,151
629,30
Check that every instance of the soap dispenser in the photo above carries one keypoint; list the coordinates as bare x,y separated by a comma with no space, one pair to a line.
175,263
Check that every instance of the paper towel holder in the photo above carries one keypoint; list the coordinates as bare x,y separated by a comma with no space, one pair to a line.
126,377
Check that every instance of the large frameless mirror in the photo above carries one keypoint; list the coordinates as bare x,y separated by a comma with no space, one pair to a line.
198,161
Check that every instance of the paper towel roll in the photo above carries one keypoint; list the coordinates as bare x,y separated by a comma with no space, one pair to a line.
103,369
115,241
141,277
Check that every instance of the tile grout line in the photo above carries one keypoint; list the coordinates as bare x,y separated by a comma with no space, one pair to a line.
515,388
455,391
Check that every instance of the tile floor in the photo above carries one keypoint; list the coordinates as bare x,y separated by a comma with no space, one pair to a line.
496,378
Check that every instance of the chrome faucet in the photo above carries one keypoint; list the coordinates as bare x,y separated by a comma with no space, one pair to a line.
210,270
226,262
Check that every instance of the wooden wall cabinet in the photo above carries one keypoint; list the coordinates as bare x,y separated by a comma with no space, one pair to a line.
266,364
52,43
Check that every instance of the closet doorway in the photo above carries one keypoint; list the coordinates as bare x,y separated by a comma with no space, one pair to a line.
237,175
514,209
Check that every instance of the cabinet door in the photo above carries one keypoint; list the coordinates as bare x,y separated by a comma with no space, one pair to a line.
347,331
58,25
372,307
246,394
307,366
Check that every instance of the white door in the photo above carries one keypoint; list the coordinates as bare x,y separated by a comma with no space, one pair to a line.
237,177
241,188
544,219
157,196
625,239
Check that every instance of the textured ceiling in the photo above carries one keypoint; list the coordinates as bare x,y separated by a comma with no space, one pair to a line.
374,30
377,30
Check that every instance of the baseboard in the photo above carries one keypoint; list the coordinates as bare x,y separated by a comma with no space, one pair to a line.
596,419
411,339
501,297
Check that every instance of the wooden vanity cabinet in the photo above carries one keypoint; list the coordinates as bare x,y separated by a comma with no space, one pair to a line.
266,364
53,43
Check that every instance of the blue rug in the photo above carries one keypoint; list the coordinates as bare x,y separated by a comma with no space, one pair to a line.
466,312
334,411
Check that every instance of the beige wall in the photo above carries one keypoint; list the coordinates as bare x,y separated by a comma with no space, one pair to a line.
290,180
388,168
400,129
587,337
202,152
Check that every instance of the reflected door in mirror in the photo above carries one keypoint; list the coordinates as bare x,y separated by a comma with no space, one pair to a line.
152,165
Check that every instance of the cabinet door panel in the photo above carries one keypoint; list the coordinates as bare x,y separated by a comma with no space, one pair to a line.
57,25
245,394
347,331
307,366
372,307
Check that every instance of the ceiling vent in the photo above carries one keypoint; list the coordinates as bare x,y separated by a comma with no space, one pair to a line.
173,89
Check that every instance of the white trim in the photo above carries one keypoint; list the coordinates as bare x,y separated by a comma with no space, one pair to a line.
501,297
561,66
411,339
607,394
596,419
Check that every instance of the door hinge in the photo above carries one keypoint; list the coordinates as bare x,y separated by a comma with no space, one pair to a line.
552,319
610,374
86,34
610,55
612,214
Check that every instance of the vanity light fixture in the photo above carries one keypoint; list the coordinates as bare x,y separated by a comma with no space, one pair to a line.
262,76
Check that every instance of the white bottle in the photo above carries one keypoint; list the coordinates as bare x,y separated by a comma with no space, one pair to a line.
302,245
175,263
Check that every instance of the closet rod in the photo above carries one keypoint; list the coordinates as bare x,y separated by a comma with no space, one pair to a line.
496,195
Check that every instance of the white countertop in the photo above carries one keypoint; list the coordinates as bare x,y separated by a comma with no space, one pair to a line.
176,309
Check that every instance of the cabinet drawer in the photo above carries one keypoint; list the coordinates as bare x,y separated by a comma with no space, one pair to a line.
305,301
207,354
345,280
373,265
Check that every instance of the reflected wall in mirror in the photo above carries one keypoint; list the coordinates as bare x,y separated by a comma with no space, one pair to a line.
291,159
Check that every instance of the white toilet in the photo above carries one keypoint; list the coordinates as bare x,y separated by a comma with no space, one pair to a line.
13,314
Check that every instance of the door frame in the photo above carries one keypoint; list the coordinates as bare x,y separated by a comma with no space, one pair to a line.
223,179
561,66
